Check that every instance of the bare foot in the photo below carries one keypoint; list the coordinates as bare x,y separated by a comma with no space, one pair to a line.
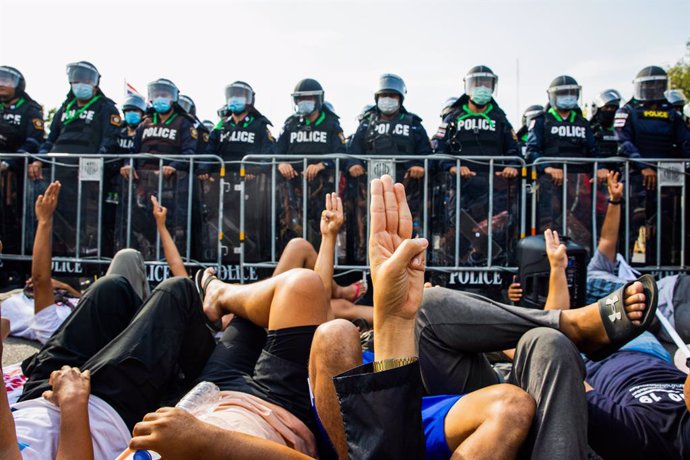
585,327
212,292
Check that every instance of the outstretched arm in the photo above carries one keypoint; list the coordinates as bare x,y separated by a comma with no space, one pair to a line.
331,221
43,248
172,255
609,230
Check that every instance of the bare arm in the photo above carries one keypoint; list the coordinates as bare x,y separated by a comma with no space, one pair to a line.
331,221
609,230
176,434
172,255
9,448
43,248
558,297
71,389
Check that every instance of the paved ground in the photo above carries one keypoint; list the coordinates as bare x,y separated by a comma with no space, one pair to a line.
16,350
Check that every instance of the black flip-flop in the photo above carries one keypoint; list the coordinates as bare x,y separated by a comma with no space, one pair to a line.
619,328
217,325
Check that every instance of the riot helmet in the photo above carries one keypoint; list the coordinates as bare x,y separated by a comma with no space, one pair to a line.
530,113
650,84
238,96
187,104
11,78
564,93
480,84
134,102
83,72
364,111
163,88
308,96
448,107
609,98
208,124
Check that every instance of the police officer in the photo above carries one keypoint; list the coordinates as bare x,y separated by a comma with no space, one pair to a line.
165,130
676,98
561,131
87,121
133,109
477,127
389,129
603,112
530,113
649,127
243,130
21,131
312,130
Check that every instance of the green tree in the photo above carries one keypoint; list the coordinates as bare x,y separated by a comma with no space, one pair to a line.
679,74
49,118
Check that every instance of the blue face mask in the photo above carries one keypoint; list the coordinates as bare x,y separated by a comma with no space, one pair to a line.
306,107
132,118
82,91
481,95
237,104
566,102
161,104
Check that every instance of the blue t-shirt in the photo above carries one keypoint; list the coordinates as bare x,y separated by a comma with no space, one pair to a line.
637,408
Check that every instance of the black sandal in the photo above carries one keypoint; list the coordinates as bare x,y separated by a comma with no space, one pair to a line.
217,325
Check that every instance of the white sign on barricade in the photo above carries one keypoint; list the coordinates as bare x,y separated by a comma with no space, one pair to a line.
671,174
90,169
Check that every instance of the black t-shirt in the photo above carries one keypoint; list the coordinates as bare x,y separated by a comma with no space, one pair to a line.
637,408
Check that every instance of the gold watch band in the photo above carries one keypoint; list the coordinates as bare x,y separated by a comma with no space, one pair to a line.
388,364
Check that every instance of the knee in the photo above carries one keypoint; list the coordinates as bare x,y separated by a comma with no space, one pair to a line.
179,284
547,348
335,347
300,245
305,284
513,407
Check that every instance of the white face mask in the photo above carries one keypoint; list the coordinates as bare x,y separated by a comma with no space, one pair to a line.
388,105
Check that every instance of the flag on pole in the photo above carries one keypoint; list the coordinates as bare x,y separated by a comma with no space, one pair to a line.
131,91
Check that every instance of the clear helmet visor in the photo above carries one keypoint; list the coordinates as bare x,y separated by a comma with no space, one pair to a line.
650,88
80,73
609,97
237,90
162,89
9,78
484,79
316,96
563,90
675,97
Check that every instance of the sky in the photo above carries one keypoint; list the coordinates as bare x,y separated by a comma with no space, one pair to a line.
345,44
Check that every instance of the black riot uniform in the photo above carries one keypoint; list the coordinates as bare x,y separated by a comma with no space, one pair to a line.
648,127
561,136
21,131
86,123
477,127
242,131
313,130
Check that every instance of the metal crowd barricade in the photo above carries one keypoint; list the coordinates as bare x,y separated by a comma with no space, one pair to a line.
88,202
377,166
671,174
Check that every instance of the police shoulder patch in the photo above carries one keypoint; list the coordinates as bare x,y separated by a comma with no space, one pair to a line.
115,120
195,133
38,124
204,137
341,136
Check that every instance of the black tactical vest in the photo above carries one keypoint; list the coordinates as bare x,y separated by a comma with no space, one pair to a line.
162,138
565,137
393,137
477,134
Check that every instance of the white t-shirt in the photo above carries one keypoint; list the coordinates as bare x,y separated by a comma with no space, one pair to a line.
19,309
38,428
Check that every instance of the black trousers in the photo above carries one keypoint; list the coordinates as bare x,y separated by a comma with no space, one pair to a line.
135,351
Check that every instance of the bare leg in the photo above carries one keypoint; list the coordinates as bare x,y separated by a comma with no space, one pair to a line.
491,423
4,328
293,298
335,349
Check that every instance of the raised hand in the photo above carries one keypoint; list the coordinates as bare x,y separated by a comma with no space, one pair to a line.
159,212
332,217
397,262
615,187
555,251
46,203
